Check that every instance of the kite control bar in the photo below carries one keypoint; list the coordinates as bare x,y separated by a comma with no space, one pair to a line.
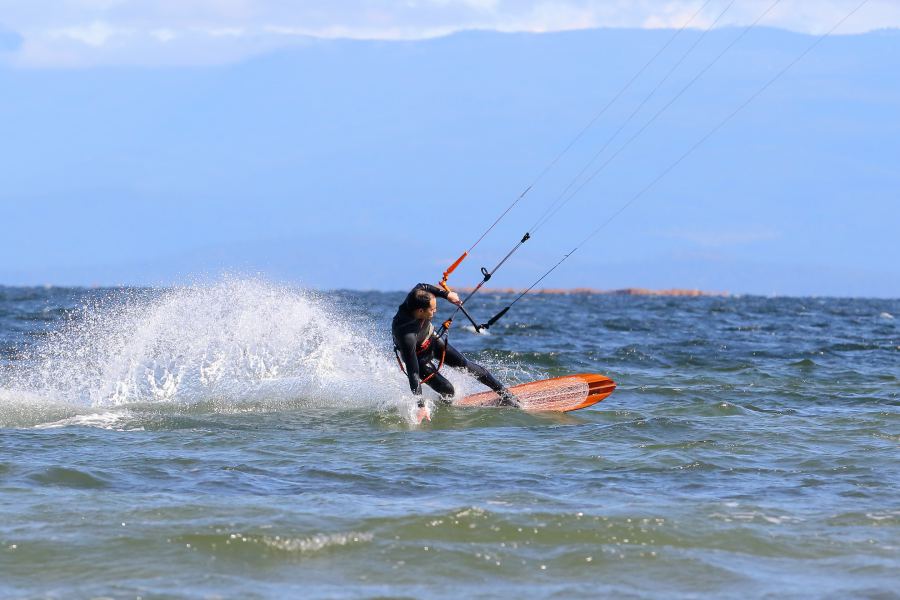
462,308
443,284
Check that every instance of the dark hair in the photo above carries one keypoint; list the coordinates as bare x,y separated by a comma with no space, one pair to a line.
418,298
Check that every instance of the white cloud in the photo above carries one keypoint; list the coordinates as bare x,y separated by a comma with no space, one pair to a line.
81,29
95,34
549,16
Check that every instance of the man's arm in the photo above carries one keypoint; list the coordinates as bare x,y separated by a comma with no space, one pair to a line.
439,292
408,354
433,289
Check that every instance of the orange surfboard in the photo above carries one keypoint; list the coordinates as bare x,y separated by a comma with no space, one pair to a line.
561,394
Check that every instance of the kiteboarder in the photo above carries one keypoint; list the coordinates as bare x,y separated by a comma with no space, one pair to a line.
418,346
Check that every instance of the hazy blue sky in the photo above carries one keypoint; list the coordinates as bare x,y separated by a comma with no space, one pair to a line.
86,32
372,164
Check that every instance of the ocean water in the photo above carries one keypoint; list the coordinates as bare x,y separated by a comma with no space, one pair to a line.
247,439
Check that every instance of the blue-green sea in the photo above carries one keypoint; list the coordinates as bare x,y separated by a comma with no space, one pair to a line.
247,439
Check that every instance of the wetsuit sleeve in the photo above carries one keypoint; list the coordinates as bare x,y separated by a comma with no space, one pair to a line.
437,291
407,349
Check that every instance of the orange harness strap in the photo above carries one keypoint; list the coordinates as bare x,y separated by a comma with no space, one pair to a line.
440,364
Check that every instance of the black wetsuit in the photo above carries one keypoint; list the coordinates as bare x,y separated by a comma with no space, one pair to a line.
419,347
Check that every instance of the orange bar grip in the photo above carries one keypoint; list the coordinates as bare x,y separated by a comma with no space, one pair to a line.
452,267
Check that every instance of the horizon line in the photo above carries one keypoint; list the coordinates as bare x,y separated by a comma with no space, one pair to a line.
573,291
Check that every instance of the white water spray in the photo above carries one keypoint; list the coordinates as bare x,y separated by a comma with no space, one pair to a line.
235,342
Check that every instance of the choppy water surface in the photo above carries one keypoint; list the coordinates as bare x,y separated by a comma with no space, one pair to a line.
249,440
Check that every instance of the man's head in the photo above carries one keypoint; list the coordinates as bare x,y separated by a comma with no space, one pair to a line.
422,304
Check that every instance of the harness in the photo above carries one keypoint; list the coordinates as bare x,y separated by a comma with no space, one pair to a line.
423,347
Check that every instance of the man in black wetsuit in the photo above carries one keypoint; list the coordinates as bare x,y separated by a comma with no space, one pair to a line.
419,346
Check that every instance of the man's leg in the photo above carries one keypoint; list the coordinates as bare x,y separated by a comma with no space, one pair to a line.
455,359
438,383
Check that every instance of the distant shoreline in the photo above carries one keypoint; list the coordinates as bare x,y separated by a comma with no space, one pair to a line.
462,290
593,291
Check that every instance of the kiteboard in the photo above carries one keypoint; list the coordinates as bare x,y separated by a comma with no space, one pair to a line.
560,394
